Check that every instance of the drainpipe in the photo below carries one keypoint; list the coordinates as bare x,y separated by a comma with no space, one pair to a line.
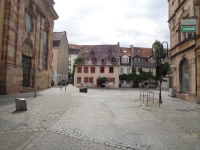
131,55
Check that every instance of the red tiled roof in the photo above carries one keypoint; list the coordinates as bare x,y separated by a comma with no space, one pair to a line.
125,51
142,52
74,46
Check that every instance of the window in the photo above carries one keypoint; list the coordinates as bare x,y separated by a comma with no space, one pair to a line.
69,56
136,59
94,60
28,21
79,80
103,60
112,80
45,51
109,52
85,69
86,80
79,69
111,70
70,63
113,59
92,69
69,70
90,80
128,70
125,59
101,69
121,70
92,52
52,57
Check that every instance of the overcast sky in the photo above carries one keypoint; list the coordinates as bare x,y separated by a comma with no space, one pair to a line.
130,22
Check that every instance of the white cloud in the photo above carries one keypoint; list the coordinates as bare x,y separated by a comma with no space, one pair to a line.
130,22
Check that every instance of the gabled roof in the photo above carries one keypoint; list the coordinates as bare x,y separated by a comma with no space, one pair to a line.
125,51
74,46
99,52
57,36
142,52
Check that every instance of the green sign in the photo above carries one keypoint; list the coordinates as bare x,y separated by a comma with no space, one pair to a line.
188,28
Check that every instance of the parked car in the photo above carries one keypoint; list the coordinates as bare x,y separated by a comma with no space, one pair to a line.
63,82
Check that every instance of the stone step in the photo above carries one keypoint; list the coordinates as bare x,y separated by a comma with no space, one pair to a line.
27,89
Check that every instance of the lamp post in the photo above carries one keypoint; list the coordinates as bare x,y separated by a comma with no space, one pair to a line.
161,61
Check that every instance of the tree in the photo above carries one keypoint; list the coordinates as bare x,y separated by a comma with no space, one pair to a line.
145,76
101,81
164,67
76,61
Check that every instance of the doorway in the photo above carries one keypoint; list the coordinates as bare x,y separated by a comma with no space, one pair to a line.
26,63
185,77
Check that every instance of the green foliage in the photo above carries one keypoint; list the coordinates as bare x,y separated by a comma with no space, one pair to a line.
78,60
165,67
101,80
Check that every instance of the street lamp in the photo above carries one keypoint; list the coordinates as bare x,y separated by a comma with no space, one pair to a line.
161,61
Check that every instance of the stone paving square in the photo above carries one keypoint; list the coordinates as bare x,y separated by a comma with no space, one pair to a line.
99,119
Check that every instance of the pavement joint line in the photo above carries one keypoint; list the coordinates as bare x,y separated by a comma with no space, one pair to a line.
29,143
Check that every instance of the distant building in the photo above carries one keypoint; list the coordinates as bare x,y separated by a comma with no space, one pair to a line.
73,53
60,57
26,29
98,61
185,49
125,64
135,57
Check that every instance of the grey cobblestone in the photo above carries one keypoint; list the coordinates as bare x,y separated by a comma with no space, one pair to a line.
115,118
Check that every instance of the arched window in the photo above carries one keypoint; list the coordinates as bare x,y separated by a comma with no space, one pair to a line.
29,23
45,51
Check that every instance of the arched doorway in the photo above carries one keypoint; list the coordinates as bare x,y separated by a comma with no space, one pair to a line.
185,76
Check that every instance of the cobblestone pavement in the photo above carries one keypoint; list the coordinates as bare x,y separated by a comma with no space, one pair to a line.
99,119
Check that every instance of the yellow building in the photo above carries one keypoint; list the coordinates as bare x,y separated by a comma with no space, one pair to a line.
184,47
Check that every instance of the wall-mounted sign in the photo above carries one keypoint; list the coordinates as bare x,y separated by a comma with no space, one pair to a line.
188,28
188,22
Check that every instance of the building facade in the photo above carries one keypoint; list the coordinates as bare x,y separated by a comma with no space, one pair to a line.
98,61
125,67
197,48
73,53
60,57
184,49
135,57
140,60
26,30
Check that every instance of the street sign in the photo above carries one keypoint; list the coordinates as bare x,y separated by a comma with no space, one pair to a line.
188,22
188,28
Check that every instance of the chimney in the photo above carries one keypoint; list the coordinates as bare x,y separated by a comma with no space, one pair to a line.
82,49
118,46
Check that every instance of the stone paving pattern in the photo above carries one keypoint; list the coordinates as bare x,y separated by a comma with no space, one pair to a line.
99,119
